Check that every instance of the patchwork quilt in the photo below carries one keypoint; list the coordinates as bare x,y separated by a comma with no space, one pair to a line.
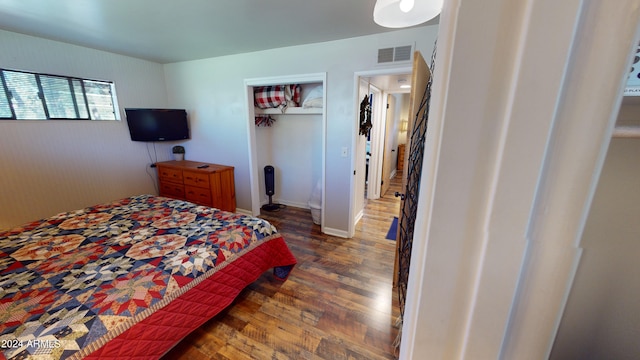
91,283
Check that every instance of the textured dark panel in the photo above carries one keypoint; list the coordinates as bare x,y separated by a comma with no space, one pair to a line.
385,55
402,53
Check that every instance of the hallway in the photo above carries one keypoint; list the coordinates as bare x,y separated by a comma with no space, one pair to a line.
378,214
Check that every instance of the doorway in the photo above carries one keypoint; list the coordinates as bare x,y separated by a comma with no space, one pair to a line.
375,154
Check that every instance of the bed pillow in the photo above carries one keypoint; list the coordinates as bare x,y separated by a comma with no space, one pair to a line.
314,98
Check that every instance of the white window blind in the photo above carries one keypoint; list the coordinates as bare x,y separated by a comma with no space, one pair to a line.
32,96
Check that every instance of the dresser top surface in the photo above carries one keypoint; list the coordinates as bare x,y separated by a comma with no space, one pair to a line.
194,166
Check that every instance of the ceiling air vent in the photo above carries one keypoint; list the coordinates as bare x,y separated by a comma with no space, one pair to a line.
394,54
402,53
385,55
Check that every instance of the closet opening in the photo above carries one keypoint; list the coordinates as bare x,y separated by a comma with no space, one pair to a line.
602,302
287,131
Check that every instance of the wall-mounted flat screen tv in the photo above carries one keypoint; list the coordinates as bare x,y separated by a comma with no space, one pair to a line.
157,124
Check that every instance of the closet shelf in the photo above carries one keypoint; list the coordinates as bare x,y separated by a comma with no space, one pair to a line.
626,132
289,111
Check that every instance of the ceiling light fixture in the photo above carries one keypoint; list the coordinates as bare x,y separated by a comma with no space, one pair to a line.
405,13
407,5
403,83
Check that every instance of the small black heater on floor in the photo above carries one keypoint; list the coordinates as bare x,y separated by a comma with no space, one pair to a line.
269,182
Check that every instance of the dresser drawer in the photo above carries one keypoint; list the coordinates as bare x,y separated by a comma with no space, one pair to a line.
196,179
167,174
209,185
172,190
198,195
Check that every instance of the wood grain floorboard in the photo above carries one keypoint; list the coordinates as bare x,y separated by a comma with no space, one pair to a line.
338,302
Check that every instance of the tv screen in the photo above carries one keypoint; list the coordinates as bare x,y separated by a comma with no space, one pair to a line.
157,124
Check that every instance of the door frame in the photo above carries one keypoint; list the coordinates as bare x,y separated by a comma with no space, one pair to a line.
389,120
254,177
498,291
358,156
378,118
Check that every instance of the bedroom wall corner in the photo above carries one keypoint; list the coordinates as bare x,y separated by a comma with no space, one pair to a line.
61,165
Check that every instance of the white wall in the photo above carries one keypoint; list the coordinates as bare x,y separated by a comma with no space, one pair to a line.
403,100
602,317
54,166
213,91
293,146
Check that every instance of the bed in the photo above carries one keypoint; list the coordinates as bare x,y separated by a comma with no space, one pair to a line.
127,279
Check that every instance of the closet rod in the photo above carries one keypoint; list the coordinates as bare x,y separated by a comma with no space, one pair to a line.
626,132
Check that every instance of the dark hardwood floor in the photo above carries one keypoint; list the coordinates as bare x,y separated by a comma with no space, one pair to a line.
338,302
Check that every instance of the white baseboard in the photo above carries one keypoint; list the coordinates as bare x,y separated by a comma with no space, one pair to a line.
244,211
358,217
336,232
393,174
288,203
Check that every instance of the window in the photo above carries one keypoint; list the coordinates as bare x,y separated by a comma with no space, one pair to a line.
31,96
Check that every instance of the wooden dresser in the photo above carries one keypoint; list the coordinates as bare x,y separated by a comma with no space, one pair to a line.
212,185
400,165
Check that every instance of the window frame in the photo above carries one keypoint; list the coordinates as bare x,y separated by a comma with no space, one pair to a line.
77,92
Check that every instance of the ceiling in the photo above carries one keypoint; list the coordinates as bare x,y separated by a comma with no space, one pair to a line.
166,31
392,83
